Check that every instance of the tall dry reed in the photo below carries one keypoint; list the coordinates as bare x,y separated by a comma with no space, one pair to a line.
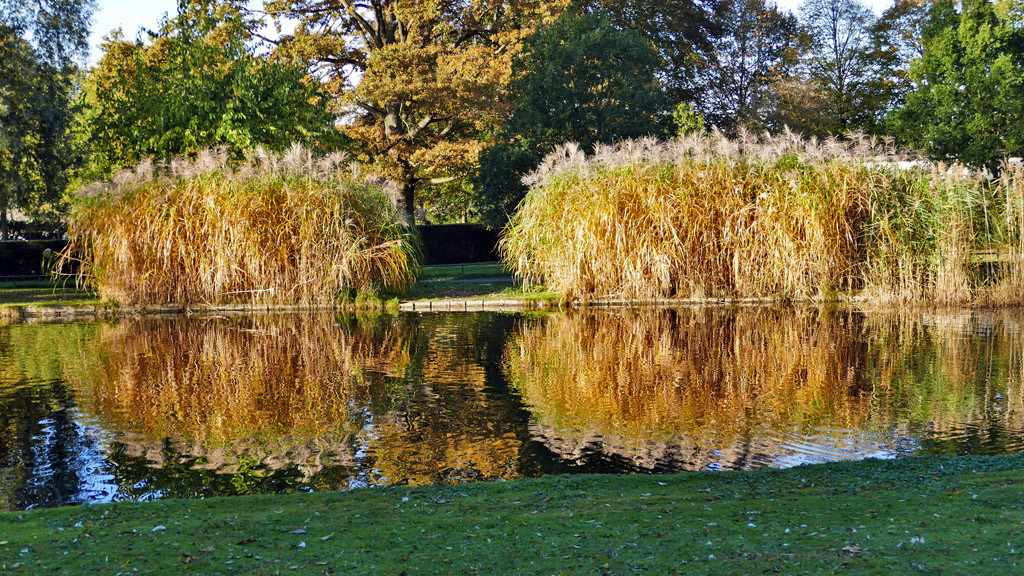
295,229
775,217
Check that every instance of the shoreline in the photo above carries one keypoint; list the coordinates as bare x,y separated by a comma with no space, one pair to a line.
488,303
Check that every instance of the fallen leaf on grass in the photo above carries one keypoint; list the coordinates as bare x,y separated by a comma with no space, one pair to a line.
852,549
298,531
207,549
244,542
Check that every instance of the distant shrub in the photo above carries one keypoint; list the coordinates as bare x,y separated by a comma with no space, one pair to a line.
295,230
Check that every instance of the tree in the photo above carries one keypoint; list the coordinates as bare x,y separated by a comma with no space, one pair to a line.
420,83
968,99
759,47
839,59
59,29
583,80
683,33
198,83
41,45
896,43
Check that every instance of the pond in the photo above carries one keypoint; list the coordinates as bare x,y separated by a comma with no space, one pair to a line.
202,406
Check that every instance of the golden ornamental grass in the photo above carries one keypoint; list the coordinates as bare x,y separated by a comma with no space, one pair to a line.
775,217
291,230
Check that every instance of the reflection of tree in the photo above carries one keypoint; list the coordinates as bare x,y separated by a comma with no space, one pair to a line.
449,424
47,457
697,388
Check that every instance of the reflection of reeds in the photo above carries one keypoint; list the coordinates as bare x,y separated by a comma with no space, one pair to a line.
291,230
389,398
712,375
217,381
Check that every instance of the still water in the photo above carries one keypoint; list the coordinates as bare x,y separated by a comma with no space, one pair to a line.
191,407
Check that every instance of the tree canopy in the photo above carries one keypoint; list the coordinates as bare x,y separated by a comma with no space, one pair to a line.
41,44
419,83
199,82
758,47
583,80
969,97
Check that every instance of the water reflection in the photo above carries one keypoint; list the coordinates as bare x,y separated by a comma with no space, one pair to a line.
186,407
725,388
194,407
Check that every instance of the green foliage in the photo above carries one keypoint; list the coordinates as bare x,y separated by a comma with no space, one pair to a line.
969,98
687,120
39,45
59,29
581,80
684,34
199,82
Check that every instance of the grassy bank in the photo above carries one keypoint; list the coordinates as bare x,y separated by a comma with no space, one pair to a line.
707,217
934,515
45,293
479,281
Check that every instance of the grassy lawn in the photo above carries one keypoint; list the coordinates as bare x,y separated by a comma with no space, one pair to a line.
464,271
918,515
484,281
45,293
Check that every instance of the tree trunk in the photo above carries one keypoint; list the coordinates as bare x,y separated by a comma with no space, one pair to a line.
4,232
408,198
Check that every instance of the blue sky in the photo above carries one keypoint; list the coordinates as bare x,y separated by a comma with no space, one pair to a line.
131,15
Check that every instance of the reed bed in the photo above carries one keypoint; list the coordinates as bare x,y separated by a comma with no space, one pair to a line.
772,217
719,377
289,230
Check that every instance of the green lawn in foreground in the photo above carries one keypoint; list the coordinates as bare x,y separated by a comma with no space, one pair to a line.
45,293
919,515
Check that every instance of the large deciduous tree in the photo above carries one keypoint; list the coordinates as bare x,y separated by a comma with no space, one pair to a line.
581,79
758,48
42,44
199,82
969,96
839,63
420,83
897,42
683,33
